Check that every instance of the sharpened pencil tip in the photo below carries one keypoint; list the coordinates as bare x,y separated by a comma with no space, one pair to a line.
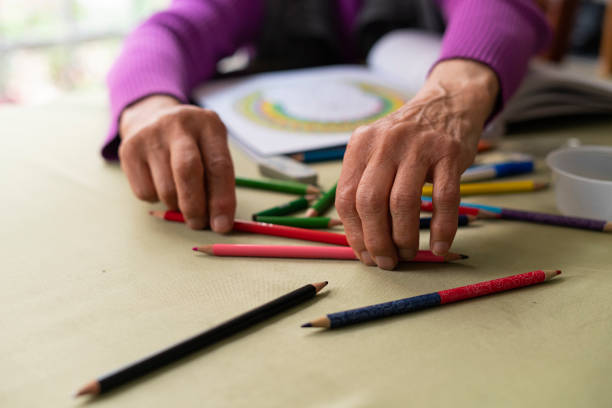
92,388
307,324
319,285
464,256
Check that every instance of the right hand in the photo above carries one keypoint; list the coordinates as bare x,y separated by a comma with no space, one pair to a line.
178,154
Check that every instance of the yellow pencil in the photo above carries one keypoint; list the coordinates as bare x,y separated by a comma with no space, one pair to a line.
499,187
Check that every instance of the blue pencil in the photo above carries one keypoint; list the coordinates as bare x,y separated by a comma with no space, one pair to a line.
313,156
497,170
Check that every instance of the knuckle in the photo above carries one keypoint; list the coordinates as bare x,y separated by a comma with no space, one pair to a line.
213,120
129,148
219,164
210,114
446,194
345,202
189,164
361,133
369,202
167,193
452,147
403,202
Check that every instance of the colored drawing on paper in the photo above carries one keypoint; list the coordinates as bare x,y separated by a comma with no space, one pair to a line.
323,107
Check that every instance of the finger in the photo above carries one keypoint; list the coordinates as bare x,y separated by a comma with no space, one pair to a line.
137,172
373,208
188,174
353,165
405,207
445,205
219,173
159,163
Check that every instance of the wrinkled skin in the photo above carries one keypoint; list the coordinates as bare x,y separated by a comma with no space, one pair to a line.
178,154
431,138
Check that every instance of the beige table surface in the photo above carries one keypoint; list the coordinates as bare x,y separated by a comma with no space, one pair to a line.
89,282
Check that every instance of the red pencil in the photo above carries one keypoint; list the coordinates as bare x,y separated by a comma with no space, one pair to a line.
269,229
310,252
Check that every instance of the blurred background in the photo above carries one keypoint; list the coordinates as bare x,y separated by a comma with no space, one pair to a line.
50,47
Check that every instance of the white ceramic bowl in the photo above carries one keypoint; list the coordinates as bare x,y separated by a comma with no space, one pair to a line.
583,180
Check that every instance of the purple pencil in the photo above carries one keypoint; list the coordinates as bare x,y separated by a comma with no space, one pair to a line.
544,218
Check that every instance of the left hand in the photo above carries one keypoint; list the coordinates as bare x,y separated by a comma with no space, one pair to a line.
433,138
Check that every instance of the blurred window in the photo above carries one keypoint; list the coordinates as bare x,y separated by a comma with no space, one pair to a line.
48,47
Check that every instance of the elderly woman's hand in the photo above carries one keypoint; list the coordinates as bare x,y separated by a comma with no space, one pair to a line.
431,138
178,154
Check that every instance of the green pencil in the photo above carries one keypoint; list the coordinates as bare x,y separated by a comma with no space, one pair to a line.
310,222
323,203
285,209
291,187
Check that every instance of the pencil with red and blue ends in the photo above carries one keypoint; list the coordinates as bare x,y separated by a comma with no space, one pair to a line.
415,303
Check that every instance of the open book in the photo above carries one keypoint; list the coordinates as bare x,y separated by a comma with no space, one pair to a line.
316,108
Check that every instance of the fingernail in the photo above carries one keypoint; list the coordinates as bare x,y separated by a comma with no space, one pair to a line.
196,223
221,223
407,254
366,258
385,262
440,248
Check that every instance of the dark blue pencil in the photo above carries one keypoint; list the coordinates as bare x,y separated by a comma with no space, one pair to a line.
313,156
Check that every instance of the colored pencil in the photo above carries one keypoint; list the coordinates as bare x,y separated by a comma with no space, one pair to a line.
484,145
323,203
463,220
200,341
286,209
428,207
269,229
498,187
291,187
302,222
492,171
314,156
337,153
411,304
306,252
543,218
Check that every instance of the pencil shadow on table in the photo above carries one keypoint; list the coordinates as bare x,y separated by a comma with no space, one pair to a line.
199,354
423,314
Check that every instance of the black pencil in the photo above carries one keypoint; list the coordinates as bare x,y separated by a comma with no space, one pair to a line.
199,341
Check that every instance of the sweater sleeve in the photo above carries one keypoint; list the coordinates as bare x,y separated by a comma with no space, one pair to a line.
503,34
175,50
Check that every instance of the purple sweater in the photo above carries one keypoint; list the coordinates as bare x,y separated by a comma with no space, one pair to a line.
178,48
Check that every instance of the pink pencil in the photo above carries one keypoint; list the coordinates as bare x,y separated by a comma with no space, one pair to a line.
310,252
